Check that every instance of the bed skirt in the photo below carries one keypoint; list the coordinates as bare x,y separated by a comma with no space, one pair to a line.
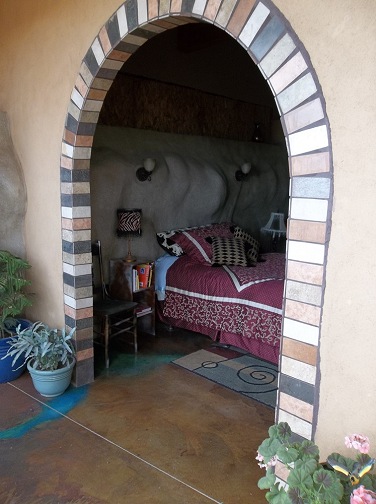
253,346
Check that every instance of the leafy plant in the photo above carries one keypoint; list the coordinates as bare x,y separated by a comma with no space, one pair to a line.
46,348
340,480
13,299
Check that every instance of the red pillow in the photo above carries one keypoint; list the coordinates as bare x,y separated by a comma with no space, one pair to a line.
193,242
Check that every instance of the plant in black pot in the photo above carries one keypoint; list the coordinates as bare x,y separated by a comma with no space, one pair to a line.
50,356
13,301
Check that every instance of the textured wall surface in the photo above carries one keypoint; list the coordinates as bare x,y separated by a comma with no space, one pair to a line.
12,194
193,184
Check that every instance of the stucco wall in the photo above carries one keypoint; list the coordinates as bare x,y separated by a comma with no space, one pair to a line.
42,44
342,47
193,184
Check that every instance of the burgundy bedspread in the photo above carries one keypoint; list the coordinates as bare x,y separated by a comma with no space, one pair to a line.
229,300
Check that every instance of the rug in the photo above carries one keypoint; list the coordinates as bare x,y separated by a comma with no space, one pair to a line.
236,370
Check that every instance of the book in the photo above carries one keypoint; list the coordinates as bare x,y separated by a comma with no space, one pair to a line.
135,282
143,273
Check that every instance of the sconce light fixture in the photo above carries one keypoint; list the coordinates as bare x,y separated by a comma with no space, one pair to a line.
241,174
144,172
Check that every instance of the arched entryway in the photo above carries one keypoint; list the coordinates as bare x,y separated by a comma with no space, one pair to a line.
269,40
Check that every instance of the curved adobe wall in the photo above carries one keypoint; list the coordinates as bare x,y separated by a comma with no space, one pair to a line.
273,46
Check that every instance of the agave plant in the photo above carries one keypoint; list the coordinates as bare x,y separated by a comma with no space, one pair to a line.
13,299
46,349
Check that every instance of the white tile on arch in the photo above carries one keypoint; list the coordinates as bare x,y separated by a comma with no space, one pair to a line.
142,11
122,21
98,51
254,24
78,303
75,212
277,55
66,212
308,140
311,209
299,331
298,425
199,7
306,252
77,98
67,150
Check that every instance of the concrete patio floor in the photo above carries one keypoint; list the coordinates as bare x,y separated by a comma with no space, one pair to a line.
146,431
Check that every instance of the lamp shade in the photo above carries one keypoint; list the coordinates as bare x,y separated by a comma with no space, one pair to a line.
128,221
275,225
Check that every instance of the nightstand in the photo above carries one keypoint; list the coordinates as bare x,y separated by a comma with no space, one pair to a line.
128,281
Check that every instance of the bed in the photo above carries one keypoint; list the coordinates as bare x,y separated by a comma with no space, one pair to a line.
217,285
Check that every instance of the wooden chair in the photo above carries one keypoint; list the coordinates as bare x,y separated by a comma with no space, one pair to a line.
114,317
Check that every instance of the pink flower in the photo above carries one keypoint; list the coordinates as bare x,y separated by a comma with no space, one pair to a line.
362,496
358,442
261,463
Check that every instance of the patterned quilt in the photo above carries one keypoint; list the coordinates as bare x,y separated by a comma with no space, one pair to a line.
246,301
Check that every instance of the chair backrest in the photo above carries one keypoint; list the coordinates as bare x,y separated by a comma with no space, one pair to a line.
97,270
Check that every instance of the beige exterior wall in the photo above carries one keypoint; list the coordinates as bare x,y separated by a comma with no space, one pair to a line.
340,39
42,45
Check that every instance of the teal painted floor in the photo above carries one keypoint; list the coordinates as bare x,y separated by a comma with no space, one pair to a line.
146,431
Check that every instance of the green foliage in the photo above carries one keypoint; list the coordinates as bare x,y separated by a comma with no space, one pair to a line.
308,481
13,299
48,349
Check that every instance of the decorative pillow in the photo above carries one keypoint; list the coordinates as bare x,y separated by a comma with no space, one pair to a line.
179,241
165,240
228,251
253,247
193,242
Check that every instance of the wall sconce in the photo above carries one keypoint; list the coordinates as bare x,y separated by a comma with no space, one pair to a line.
241,174
144,173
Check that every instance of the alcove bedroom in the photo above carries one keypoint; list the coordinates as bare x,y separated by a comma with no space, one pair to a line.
189,137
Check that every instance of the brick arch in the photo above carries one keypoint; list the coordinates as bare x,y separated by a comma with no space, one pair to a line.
271,43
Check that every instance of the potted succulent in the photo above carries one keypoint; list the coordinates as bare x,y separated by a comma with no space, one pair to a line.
339,480
50,356
13,301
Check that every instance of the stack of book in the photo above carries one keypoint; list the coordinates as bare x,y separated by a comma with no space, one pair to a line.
142,274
